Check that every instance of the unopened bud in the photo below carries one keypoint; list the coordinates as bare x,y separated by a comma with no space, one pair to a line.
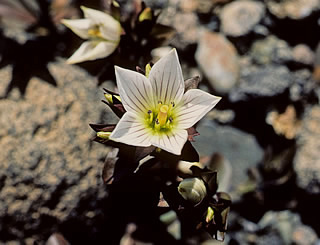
148,69
104,135
145,15
108,98
193,190
210,214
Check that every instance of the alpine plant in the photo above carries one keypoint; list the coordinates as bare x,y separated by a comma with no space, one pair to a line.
158,110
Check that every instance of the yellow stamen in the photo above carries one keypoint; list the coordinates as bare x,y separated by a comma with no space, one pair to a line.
95,32
163,115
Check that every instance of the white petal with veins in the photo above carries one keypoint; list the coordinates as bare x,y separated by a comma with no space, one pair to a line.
196,103
172,142
167,80
135,91
131,131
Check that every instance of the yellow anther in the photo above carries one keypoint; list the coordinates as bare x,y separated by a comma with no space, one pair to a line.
163,115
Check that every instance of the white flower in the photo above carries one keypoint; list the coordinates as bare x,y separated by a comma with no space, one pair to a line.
158,111
102,31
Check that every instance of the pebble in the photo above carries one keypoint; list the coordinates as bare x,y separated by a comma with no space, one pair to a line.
306,161
240,17
294,9
218,59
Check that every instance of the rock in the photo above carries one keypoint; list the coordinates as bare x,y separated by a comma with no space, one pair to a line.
48,164
289,226
304,235
240,17
186,25
306,161
218,59
239,148
270,50
294,9
303,54
286,123
261,82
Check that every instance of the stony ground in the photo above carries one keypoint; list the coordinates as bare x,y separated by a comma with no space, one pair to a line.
260,56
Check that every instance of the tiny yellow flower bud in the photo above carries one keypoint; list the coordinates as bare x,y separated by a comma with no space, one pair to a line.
116,4
148,69
210,214
193,190
108,98
104,135
145,15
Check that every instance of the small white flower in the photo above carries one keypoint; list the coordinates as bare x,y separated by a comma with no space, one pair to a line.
102,32
158,111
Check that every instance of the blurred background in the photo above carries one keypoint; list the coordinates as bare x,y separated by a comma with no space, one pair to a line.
261,57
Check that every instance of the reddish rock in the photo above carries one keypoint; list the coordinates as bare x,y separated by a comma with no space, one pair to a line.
218,59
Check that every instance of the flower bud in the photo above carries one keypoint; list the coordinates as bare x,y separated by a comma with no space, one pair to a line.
103,135
210,214
146,15
192,189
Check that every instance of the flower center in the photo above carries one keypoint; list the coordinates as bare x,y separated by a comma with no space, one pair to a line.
161,118
95,32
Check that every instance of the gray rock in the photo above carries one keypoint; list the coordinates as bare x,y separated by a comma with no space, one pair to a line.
186,25
240,148
240,17
48,163
218,59
306,161
271,50
294,9
289,226
261,82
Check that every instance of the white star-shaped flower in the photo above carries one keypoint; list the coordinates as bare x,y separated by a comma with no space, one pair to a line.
158,112
102,32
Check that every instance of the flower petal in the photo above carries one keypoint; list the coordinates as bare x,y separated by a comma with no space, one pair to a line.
109,27
135,91
131,131
171,143
79,27
167,80
92,50
196,103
